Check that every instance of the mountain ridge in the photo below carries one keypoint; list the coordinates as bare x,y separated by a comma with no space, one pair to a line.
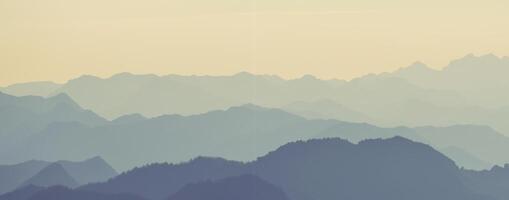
330,161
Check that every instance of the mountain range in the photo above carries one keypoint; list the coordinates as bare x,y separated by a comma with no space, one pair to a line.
222,133
470,90
390,169
387,169
416,133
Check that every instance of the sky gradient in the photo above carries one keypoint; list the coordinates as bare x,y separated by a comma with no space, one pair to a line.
61,39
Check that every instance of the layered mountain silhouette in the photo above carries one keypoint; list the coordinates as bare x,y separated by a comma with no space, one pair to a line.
246,187
460,110
470,90
227,133
391,169
218,133
62,193
44,174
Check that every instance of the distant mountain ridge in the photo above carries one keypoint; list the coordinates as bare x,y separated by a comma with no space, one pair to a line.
21,117
227,133
40,88
470,90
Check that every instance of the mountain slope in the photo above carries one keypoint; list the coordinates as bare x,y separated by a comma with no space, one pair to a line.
465,159
43,173
238,133
157,181
62,193
494,182
246,187
21,117
392,169
326,109
147,94
218,133
54,174
395,168
42,88
22,193
89,171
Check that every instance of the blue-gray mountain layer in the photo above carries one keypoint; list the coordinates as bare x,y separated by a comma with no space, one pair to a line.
326,169
245,187
227,133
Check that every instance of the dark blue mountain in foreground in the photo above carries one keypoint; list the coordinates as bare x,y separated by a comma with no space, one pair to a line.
394,168
245,187
158,181
325,169
494,182
22,193
62,193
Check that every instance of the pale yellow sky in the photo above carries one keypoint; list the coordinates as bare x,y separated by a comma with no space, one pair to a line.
61,39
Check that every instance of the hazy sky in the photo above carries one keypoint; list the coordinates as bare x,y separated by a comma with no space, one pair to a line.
62,39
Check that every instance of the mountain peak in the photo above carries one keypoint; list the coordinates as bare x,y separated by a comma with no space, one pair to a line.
129,118
96,159
54,174
415,68
91,170
473,61
252,106
308,77
418,65
62,98
393,141
122,74
231,188
243,74
86,77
